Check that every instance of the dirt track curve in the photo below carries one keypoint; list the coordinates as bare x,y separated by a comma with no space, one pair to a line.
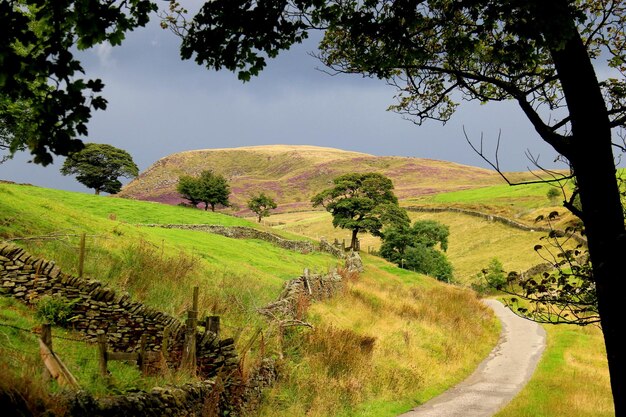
498,378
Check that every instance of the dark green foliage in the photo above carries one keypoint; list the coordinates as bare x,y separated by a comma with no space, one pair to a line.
491,278
414,248
362,202
53,309
209,188
99,166
40,87
261,205
553,194
189,188
429,261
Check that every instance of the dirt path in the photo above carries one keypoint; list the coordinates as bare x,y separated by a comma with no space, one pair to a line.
498,378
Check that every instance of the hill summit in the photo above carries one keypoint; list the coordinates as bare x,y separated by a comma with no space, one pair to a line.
292,174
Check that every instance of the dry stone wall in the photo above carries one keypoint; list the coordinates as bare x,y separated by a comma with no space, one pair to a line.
100,309
241,232
494,218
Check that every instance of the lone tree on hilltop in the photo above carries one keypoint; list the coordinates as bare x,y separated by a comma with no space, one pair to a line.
540,54
261,205
99,166
362,202
209,188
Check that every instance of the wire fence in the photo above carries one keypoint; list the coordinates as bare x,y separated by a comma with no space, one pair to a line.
31,331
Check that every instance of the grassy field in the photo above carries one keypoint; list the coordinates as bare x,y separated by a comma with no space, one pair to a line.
383,347
403,321
158,266
571,379
472,243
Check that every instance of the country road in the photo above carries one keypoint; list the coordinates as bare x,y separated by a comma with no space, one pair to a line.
498,378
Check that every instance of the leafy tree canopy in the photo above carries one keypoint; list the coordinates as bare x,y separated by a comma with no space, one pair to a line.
414,248
362,202
40,85
99,166
261,205
209,188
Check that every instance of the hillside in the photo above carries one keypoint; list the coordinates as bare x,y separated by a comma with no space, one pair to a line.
293,174
418,329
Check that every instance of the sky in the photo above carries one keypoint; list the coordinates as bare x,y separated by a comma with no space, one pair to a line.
159,105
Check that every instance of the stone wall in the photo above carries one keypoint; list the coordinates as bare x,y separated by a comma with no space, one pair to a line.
306,287
241,232
494,218
100,309
187,400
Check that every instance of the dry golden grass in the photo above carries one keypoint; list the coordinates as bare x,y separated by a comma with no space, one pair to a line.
472,243
388,343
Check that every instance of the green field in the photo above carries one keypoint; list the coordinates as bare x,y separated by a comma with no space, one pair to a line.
416,322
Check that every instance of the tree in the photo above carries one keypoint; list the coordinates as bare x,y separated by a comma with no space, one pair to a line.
261,205
189,188
209,188
215,190
39,69
99,166
540,54
415,248
361,202
553,194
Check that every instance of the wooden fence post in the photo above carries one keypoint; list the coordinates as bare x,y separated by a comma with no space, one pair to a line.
81,255
46,337
165,344
102,354
189,348
142,361
213,324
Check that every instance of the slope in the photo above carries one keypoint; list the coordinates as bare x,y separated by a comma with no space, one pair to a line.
412,324
293,174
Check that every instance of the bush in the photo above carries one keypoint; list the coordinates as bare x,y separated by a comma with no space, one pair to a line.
490,278
54,310
429,261
553,194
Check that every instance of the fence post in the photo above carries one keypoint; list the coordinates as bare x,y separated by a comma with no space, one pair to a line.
142,362
165,344
81,255
46,337
213,325
189,348
102,354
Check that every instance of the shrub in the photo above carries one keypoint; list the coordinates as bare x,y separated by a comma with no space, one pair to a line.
429,261
490,278
54,309
553,194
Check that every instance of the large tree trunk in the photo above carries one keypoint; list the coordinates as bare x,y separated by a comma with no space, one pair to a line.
354,239
591,157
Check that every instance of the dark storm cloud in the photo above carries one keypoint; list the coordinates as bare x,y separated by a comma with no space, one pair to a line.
159,105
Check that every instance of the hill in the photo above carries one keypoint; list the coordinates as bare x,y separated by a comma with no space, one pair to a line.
417,331
293,174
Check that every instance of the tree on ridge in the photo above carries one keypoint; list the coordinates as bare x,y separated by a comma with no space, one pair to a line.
99,166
